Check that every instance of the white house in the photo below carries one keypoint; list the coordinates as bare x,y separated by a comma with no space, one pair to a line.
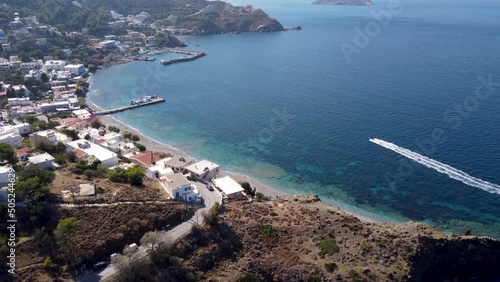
6,47
12,137
5,172
152,41
56,65
179,187
159,169
203,170
177,163
67,52
56,107
41,41
229,187
43,160
48,136
22,128
81,113
77,69
34,65
82,147
19,102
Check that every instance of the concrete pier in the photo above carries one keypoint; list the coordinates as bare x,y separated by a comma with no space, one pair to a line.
117,110
190,56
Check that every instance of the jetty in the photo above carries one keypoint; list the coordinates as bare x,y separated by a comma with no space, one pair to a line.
190,56
137,105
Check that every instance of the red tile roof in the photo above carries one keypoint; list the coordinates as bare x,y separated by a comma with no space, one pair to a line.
147,158
79,153
23,151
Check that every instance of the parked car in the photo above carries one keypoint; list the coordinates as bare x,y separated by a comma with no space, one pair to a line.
99,265
210,187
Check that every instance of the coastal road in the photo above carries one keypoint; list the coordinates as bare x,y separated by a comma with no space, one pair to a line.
176,233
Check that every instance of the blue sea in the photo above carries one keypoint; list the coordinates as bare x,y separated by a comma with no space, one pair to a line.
296,109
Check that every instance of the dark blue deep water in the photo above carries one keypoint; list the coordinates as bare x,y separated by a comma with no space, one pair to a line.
289,109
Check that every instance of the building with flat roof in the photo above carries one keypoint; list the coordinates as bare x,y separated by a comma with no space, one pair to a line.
53,65
229,187
22,128
6,174
13,138
203,170
178,187
107,158
77,69
159,169
25,101
43,160
177,163
48,136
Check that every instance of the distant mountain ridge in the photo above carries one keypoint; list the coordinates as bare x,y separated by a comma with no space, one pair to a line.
204,17
344,2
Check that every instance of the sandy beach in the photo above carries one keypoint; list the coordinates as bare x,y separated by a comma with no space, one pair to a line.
154,145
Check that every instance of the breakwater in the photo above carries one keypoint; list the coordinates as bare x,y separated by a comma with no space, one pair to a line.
190,56
121,109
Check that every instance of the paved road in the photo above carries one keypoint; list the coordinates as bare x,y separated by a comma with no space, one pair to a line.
176,233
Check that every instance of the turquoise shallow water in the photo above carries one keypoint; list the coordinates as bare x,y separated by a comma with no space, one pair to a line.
290,110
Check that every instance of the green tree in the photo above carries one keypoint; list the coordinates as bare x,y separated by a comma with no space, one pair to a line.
7,153
44,77
248,189
32,189
82,102
96,124
65,234
141,147
31,171
135,176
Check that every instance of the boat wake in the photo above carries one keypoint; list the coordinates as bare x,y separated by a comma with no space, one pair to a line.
440,167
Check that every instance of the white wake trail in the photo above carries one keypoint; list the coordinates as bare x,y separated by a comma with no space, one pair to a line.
440,167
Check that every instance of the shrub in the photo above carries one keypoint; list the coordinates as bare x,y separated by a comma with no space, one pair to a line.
248,277
248,189
273,213
366,248
90,173
328,247
266,230
141,147
47,263
330,266
355,276
211,218
313,278
96,124
114,129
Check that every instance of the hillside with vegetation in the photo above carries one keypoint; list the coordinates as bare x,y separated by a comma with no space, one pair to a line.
306,240
204,17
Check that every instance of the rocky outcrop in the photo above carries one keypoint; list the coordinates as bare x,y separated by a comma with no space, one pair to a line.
221,17
344,2
455,259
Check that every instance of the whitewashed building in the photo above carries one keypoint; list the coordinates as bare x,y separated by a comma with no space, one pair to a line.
203,170
179,187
